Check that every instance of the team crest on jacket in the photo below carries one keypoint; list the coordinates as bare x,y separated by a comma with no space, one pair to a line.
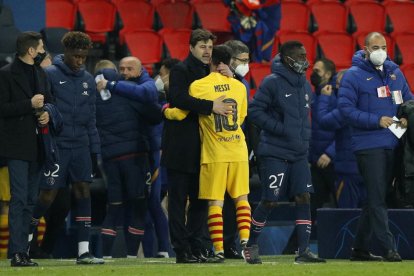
393,76
85,85
307,97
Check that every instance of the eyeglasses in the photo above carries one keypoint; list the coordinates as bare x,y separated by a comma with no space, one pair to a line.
244,60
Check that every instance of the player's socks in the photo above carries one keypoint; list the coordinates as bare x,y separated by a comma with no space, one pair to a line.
259,217
83,220
243,217
135,231
41,229
215,227
108,232
303,226
4,235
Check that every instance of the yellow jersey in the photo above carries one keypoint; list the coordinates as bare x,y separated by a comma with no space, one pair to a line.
222,139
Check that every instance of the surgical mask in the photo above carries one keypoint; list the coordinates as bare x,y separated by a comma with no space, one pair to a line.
299,66
377,57
242,69
159,84
315,79
39,58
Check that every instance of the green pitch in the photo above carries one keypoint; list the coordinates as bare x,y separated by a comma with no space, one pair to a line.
272,265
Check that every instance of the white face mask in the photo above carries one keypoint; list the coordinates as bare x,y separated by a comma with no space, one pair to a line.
378,57
242,69
159,84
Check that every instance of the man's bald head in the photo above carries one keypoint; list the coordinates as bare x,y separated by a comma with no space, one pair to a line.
130,67
371,36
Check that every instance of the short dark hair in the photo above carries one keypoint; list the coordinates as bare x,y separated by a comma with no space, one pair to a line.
169,62
76,40
328,64
26,40
201,35
237,47
221,53
288,47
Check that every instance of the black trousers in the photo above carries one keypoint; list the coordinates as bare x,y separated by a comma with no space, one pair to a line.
24,188
377,169
186,232
323,181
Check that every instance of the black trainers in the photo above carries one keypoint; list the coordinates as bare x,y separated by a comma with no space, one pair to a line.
200,255
21,259
87,258
232,253
217,259
392,256
251,254
308,257
364,256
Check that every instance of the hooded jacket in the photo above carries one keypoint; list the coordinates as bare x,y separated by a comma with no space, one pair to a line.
75,94
360,105
280,108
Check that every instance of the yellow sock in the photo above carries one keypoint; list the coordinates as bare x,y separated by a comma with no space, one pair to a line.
4,235
243,217
215,227
41,229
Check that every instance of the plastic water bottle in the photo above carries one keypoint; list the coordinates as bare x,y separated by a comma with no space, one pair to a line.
105,94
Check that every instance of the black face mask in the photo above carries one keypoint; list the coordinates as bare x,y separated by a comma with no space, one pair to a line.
39,58
315,79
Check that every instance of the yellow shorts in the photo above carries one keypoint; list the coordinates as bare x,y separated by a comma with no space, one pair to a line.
4,184
216,178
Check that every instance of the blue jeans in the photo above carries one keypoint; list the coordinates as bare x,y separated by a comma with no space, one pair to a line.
24,188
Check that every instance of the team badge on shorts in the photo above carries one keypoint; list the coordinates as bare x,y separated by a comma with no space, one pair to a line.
276,192
85,85
307,97
50,180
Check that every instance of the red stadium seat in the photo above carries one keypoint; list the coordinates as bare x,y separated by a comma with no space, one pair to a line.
213,16
258,71
135,16
330,16
176,15
295,17
311,2
60,14
409,75
307,40
390,43
368,17
354,2
149,52
177,42
338,47
405,43
401,16
98,17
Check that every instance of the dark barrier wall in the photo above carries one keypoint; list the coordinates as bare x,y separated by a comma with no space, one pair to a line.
29,15
337,228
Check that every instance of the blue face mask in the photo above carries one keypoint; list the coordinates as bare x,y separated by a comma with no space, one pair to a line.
299,66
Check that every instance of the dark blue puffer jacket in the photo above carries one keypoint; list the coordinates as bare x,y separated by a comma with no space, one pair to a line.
322,140
280,108
139,96
75,95
331,118
360,105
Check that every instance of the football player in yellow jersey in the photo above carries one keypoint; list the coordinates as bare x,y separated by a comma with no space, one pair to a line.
224,160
